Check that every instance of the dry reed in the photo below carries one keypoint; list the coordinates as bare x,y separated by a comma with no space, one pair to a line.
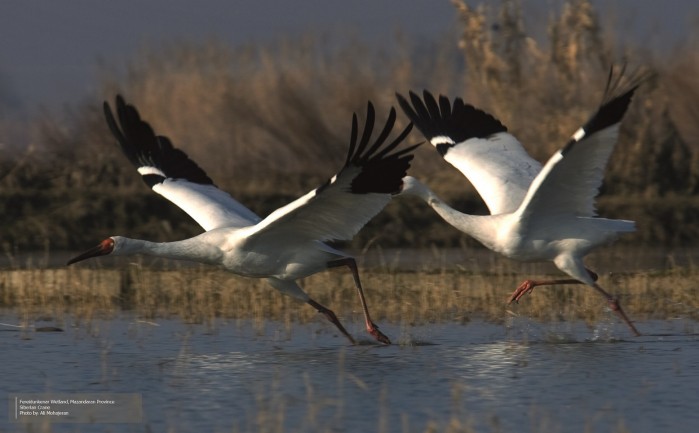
200,295
269,122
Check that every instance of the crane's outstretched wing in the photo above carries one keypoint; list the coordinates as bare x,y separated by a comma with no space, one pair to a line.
478,145
170,172
570,180
338,209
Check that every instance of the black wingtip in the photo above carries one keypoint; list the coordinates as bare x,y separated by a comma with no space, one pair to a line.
382,166
438,117
382,176
368,128
610,113
617,97
143,147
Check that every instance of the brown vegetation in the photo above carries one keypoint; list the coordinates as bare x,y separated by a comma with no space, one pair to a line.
269,122
201,295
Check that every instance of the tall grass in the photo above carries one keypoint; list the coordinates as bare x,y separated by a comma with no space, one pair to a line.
202,295
268,122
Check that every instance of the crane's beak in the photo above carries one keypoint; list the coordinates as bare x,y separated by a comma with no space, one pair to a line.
103,248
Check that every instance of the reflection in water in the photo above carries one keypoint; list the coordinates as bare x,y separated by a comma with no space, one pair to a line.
490,368
220,363
496,359
477,376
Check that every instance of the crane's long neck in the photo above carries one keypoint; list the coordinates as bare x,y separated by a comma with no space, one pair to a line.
480,227
188,249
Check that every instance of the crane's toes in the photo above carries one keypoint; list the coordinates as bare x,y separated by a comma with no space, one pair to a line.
524,288
378,335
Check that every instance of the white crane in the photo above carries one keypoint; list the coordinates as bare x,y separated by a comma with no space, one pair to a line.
286,245
536,214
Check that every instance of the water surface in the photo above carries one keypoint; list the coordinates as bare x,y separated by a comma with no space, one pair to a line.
240,376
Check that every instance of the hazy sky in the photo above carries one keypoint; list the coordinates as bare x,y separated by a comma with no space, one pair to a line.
49,49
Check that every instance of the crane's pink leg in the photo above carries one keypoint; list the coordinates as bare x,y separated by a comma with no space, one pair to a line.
614,305
527,286
370,325
331,317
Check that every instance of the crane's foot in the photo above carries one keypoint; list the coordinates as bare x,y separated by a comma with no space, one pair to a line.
527,286
378,335
614,305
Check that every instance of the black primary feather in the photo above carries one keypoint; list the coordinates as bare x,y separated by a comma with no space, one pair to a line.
459,121
381,171
145,149
615,102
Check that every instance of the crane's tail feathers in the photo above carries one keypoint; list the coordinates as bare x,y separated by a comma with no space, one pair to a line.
614,226
625,226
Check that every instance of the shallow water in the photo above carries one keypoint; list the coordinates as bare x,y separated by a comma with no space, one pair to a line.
239,376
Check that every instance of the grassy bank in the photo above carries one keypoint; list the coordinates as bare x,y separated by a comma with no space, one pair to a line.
200,295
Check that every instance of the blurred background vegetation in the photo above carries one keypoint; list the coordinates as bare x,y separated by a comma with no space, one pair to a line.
270,122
